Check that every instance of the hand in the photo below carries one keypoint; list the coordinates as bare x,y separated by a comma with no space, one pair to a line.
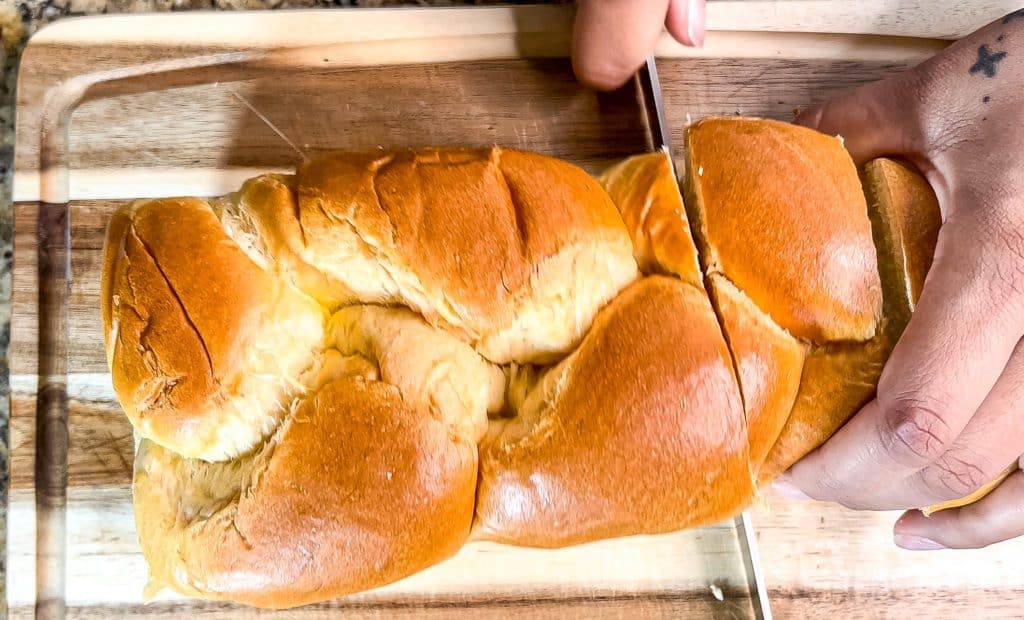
949,412
612,38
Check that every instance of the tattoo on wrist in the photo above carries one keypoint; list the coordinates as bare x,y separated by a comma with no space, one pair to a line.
987,62
1018,14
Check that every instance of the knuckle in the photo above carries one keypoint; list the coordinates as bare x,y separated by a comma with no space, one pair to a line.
957,474
914,431
948,124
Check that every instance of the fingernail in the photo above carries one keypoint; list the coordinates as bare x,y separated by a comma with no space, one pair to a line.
789,490
916,543
695,22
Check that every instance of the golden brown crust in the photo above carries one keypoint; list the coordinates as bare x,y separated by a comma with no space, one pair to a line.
643,432
768,361
263,217
210,339
840,378
114,267
782,215
463,236
646,191
146,316
189,325
440,264
357,491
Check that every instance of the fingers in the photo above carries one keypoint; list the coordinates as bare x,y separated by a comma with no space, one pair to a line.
685,21
997,517
611,38
874,120
954,349
993,438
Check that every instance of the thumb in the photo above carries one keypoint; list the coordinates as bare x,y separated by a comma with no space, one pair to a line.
875,120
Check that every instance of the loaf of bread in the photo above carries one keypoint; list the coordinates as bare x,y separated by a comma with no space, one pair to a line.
343,375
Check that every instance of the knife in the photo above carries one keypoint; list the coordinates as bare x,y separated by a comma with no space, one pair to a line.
650,87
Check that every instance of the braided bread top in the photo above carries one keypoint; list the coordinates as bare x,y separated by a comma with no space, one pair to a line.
342,375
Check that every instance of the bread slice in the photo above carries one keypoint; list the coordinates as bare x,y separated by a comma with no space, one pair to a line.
906,216
646,192
840,378
785,238
780,212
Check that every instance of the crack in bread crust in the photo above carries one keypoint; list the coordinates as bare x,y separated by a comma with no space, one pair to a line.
181,305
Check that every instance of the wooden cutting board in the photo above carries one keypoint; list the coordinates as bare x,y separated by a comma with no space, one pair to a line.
121,107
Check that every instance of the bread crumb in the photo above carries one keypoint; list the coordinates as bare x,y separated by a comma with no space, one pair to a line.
389,474
700,171
689,119
716,592
841,140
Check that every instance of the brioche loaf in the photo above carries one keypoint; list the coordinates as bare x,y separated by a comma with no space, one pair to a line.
341,376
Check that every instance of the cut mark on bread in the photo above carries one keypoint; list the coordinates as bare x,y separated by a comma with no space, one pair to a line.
841,377
651,238
694,207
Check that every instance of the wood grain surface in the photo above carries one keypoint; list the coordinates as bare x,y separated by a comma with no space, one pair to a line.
202,127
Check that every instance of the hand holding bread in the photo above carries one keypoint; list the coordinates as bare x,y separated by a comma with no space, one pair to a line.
944,424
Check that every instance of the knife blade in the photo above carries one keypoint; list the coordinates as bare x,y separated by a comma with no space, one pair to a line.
650,88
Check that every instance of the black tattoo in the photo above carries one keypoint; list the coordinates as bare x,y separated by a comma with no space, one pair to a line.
986,99
1018,14
987,61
